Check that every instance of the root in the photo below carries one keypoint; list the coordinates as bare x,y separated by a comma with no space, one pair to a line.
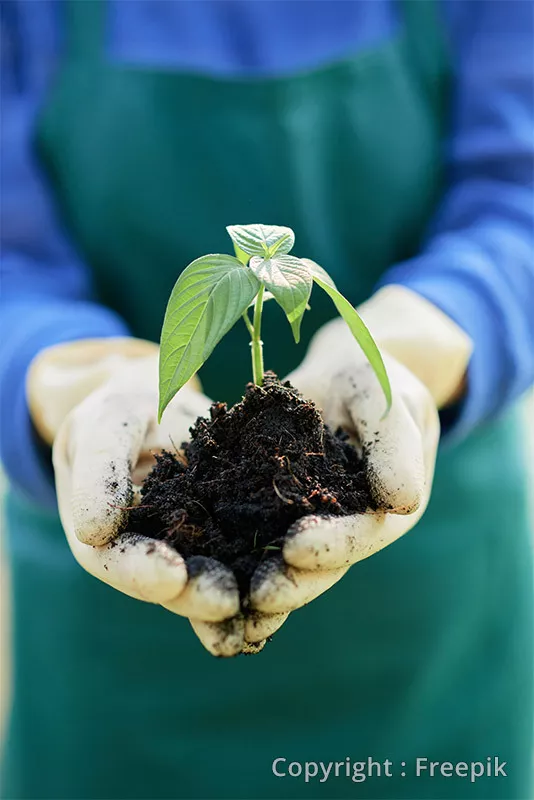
280,495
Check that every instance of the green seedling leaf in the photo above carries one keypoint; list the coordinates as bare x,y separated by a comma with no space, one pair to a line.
357,326
262,240
290,282
207,300
318,273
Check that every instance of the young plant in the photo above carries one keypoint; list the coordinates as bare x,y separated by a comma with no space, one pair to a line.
214,291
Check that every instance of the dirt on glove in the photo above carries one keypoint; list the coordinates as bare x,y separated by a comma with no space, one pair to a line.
248,473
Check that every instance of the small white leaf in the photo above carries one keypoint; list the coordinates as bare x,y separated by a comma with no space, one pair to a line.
289,280
262,240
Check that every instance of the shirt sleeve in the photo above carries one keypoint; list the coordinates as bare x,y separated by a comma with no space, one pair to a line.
478,262
45,288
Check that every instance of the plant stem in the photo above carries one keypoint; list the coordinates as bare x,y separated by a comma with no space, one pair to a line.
256,343
248,323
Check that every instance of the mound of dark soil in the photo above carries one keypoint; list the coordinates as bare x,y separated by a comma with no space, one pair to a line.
247,474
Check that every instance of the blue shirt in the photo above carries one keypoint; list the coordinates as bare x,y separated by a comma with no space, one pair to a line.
478,260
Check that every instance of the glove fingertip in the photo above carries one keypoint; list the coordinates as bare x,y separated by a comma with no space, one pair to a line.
211,593
96,529
253,648
100,503
221,639
260,626
396,494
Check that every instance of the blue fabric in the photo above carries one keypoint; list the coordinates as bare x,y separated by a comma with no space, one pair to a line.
477,265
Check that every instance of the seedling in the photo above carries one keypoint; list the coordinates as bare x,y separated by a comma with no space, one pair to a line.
214,291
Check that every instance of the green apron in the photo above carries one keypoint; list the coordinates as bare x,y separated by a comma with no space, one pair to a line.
424,650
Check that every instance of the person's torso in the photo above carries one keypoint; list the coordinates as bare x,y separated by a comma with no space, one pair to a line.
152,163
149,164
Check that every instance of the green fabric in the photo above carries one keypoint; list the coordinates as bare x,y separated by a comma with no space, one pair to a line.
422,650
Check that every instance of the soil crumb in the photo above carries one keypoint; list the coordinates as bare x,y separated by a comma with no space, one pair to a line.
247,474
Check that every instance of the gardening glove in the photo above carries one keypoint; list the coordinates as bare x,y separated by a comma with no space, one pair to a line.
96,402
426,355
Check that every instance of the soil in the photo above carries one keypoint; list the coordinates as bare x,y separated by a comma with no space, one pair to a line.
247,474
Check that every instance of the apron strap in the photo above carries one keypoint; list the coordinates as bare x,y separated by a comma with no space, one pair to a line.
85,29
427,47
86,22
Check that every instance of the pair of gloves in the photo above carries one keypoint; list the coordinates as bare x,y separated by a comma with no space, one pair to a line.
96,402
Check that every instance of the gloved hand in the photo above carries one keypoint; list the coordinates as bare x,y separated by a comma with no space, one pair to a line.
426,355
96,401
